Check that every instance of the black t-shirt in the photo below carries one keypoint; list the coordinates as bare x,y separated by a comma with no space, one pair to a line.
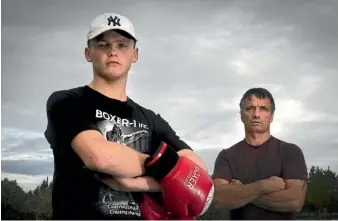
249,164
77,194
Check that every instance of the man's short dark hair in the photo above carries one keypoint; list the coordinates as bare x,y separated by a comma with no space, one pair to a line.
260,93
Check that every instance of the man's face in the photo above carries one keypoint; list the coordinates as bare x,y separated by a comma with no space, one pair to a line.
257,114
112,55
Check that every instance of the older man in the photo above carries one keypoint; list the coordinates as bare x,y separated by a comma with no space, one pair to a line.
261,176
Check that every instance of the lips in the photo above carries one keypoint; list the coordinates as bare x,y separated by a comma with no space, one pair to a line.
256,122
113,62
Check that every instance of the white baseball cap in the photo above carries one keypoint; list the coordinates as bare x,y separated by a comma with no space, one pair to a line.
110,21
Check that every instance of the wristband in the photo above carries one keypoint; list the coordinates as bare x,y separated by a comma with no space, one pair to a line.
161,162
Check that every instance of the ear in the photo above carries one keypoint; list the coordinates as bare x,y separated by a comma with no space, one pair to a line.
135,56
242,117
271,119
87,54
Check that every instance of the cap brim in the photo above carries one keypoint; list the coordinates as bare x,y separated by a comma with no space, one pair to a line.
118,30
124,33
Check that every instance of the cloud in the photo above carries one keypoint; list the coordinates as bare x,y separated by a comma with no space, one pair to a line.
19,144
28,167
19,134
195,63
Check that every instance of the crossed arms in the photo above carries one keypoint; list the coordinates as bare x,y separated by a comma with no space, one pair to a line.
263,193
67,124
125,164
283,194
291,199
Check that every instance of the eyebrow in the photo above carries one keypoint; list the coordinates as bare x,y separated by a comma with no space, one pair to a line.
267,106
107,40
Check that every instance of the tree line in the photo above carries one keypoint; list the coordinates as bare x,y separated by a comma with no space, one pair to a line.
321,200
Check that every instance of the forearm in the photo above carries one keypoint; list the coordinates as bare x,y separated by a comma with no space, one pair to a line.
281,201
234,196
137,184
119,160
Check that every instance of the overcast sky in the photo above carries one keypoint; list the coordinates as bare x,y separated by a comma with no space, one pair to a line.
196,60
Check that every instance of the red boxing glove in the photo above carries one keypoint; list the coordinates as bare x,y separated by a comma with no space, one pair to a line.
187,189
153,210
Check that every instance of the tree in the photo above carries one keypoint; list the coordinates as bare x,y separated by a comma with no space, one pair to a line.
12,194
17,204
322,191
322,197
13,200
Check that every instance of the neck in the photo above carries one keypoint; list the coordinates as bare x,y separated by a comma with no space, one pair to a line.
113,89
256,139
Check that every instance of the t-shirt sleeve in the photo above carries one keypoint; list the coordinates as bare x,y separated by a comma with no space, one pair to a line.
222,168
65,119
294,165
167,134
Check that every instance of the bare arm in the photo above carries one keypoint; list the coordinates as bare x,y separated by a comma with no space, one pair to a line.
294,173
68,124
137,184
108,157
233,196
289,200
146,183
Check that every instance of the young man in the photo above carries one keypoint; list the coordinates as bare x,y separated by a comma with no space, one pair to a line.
260,177
108,150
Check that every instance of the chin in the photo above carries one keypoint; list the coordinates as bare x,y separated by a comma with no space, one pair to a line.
257,130
113,75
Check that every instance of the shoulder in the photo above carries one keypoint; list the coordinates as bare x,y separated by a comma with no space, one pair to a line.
235,148
62,97
232,150
152,116
161,129
146,111
288,147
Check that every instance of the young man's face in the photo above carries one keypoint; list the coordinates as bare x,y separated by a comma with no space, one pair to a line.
257,114
112,55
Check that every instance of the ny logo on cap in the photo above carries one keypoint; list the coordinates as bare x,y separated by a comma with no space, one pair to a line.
115,21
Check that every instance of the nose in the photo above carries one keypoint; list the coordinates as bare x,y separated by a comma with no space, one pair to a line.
256,112
112,51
